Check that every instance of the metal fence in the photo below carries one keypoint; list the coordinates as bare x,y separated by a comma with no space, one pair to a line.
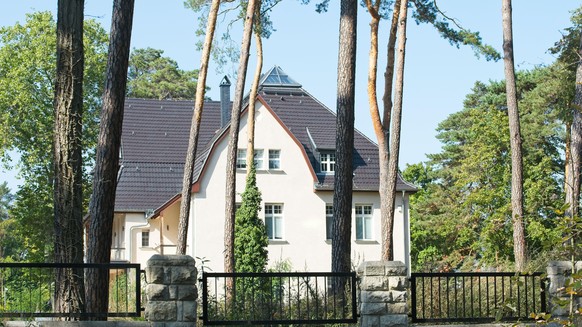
27,289
278,298
476,297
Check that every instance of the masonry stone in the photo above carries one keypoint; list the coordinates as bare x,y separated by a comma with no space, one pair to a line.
373,283
394,320
397,308
161,311
558,274
171,291
373,308
399,296
383,294
187,292
398,283
376,296
157,292
370,321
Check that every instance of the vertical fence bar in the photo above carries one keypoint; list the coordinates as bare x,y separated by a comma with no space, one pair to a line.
413,296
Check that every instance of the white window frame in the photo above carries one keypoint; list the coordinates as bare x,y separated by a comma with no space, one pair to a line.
241,159
327,162
274,221
328,220
275,159
364,222
259,159
145,238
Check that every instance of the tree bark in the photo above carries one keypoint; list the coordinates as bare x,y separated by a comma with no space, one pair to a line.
573,161
101,207
344,144
388,248
68,165
230,196
252,101
195,130
519,244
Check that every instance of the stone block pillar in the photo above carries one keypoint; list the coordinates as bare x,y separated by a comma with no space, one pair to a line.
558,272
383,294
171,291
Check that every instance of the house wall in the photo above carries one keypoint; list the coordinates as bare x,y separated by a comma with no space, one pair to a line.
135,223
303,243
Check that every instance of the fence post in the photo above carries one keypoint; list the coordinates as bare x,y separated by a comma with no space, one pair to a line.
383,294
558,271
171,291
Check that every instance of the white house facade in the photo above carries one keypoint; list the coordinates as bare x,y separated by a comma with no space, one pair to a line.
295,160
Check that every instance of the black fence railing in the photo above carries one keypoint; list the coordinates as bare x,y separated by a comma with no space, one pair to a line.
278,298
27,289
476,297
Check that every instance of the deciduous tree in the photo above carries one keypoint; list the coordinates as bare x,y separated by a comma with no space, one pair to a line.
27,75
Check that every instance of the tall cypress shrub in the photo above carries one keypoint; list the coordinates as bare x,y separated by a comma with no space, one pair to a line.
250,242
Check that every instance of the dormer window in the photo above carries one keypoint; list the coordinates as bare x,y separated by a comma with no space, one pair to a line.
327,162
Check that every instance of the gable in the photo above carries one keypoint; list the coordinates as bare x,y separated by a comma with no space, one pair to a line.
156,132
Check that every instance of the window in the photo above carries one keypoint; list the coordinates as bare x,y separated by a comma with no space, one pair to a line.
241,159
145,237
274,159
328,220
274,221
258,158
363,222
327,161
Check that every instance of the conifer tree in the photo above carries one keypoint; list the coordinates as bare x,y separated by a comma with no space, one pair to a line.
250,242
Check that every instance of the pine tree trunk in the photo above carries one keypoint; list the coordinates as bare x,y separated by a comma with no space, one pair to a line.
252,101
388,250
342,197
519,245
573,179
195,130
68,165
230,196
102,203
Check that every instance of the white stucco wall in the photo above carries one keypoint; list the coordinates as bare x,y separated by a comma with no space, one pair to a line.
304,242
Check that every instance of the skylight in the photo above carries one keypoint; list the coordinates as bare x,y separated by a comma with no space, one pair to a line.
277,77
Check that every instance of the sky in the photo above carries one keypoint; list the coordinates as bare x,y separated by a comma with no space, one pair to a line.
437,77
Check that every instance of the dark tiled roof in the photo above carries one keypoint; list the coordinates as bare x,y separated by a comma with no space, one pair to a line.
153,150
155,139
314,125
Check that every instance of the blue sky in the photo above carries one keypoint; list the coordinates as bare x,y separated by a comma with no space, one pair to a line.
437,75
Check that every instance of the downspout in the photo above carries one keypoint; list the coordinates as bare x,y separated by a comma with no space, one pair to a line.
162,234
406,223
147,224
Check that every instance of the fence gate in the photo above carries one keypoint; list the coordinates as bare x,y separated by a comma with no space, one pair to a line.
476,297
278,298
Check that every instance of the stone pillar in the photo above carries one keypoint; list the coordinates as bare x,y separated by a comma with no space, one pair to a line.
383,294
171,291
558,272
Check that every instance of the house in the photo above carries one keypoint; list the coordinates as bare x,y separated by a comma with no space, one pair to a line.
295,160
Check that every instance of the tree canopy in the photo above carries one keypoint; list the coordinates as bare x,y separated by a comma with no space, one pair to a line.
461,216
27,72
153,76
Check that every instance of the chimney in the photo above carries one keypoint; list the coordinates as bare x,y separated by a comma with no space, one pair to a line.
225,107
